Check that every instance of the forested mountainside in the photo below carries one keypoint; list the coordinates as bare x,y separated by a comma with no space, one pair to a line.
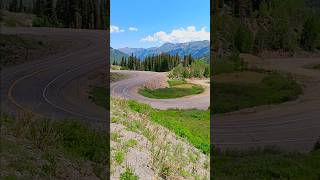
87,14
255,26
116,55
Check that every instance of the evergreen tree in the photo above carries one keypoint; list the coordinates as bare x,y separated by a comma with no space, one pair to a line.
13,6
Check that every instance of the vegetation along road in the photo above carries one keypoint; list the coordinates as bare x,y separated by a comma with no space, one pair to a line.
293,125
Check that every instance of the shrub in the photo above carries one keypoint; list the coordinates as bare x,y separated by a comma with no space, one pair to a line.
197,69
45,22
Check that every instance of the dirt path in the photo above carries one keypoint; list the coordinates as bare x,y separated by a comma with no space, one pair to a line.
290,126
128,88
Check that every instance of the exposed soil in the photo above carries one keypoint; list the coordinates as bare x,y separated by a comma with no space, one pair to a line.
18,49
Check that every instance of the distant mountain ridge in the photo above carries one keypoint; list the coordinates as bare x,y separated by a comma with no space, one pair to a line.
198,49
116,55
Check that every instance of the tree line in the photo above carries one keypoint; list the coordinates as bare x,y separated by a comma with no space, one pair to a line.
255,26
159,63
87,14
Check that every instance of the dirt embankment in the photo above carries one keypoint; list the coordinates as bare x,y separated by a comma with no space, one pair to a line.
12,19
149,150
18,49
159,82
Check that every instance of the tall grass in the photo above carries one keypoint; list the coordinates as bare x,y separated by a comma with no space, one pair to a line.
192,124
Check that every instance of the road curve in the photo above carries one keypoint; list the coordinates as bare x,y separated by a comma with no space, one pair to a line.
53,86
128,88
293,126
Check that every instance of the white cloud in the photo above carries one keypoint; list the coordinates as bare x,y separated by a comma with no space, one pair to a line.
180,35
133,29
115,29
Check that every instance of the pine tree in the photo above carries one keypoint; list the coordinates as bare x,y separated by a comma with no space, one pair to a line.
21,8
13,6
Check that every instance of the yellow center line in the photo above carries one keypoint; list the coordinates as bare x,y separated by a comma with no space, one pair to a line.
12,99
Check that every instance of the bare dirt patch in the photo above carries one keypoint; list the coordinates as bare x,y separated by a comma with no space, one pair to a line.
160,82
12,19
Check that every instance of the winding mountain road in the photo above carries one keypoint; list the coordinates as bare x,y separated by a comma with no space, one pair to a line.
293,126
128,88
53,86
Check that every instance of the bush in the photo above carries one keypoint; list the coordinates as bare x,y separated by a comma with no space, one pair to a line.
45,22
197,69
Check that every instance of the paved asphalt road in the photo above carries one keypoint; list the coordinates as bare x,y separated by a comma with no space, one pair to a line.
128,88
293,126
51,86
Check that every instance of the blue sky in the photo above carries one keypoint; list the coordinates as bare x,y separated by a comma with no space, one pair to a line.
148,23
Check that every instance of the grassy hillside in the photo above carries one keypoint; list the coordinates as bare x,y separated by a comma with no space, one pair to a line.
33,148
142,147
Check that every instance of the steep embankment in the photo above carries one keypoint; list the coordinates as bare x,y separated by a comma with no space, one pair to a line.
147,150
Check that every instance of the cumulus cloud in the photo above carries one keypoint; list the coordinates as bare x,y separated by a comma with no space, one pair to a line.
115,29
180,35
133,29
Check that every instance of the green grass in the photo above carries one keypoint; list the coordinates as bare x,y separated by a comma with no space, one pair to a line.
99,96
119,157
175,82
128,175
273,89
266,164
130,143
192,124
171,92
68,139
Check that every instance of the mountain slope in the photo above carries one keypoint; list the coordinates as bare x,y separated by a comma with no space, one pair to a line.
198,49
116,55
